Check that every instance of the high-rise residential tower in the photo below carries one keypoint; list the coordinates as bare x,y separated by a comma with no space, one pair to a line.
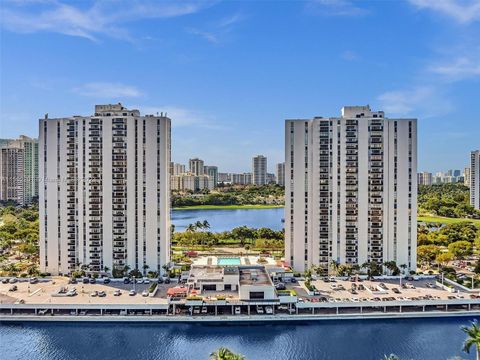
212,172
281,174
259,167
19,170
466,176
196,166
104,196
350,189
424,178
475,179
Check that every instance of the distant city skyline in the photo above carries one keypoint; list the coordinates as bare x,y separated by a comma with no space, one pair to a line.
229,73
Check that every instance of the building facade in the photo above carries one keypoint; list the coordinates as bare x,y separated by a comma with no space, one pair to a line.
105,194
191,182
475,179
212,172
350,189
196,166
466,176
281,174
424,178
24,189
259,170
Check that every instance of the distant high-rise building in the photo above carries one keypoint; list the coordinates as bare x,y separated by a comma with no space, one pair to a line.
466,176
212,172
281,174
26,171
424,178
259,170
241,179
196,166
105,201
475,179
178,169
224,178
351,190
191,182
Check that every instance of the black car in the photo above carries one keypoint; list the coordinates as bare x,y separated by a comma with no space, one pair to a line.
293,280
160,281
126,281
167,281
5,281
85,280
106,281
280,286
92,281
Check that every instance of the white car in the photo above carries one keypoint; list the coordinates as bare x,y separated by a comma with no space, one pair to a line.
139,281
204,310
259,309
268,310
117,293
145,293
238,310
196,310
146,281
355,299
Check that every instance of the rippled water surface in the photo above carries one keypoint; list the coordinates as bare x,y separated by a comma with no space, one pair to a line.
226,219
434,339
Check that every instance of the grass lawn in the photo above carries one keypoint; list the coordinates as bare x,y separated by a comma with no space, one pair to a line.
445,220
227,207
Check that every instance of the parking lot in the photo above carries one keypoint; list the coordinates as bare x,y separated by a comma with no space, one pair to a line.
376,290
49,292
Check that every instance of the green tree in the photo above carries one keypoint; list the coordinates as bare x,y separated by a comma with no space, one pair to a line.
473,338
460,249
444,258
225,354
427,253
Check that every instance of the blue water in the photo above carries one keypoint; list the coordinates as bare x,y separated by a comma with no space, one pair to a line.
223,220
229,261
423,339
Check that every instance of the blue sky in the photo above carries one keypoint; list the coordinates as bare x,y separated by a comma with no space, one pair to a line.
229,73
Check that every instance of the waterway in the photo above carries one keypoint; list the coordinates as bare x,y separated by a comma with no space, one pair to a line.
412,339
227,219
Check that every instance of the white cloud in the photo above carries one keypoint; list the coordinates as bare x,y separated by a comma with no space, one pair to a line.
218,30
106,18
459,69
336,8
107,90
421,102
462,11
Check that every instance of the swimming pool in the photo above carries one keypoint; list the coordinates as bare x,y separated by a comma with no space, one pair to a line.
229,261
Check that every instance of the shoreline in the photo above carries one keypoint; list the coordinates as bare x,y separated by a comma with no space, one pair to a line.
228,207
234,318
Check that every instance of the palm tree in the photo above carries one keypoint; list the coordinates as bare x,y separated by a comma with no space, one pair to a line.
473,338
225,354
126,268
206,224
391,357
190,228
145,268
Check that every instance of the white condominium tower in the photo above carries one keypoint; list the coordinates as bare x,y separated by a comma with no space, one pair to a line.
259,166
104,191
196,166
281,174
475,179
350,189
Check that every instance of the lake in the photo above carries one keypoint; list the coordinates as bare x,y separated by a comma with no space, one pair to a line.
227,219
422,339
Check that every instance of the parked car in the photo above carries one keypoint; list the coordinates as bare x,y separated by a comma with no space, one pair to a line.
13,280
85,280
238,310
145,293
13,288
106,280
132,293
92,281
139,281
102,293
204,310
396,291
117,293
33,280
268,310
146,281
4,281
280,286
126,280
94,293
167,280
72,292
160,280
293,280
196,310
